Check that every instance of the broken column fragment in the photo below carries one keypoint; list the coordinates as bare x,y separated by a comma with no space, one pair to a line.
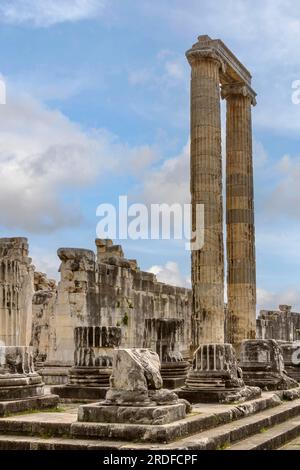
89,378
135,395
291,358
162,336
216,377
263,366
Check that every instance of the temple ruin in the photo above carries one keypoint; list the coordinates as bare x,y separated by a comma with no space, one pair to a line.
135,361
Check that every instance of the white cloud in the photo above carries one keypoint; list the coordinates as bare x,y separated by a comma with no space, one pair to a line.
49,12
45,262
284,199
267,300
169,183
42,154
170,274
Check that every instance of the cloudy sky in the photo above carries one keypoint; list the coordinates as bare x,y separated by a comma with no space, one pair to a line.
98,106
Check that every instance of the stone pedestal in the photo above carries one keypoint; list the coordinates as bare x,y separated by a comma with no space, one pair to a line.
162,336
89,378
291,358
263,366
135,395
216,377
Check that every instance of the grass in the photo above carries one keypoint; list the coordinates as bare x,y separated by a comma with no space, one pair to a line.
223,446
262,430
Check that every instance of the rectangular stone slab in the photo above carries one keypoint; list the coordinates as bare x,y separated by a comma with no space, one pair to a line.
153,415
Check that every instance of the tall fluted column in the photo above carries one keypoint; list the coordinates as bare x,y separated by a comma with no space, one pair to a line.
206,189
241,272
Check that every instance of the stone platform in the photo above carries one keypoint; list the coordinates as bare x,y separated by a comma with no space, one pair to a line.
27,404
209,427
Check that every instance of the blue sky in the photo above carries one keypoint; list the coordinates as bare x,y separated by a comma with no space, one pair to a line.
98,106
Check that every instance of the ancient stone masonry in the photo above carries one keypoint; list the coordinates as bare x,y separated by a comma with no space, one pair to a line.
16,290
241,275
213,64
89,378
107,290
135,401
206,189
162,336
263,366
216,377
281,324
43,305
21,388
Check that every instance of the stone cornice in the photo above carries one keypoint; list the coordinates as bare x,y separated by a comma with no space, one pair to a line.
242,89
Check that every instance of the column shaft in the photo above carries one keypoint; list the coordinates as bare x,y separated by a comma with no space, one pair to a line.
206,189
241,272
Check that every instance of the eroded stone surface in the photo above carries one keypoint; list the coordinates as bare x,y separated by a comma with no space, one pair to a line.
263,366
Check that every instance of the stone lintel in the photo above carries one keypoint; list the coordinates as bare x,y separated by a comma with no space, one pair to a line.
232,69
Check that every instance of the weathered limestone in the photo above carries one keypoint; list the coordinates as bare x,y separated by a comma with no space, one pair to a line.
16,290
282,324
43,307
161,335
76,305
135,395
20,386
89,378
241,273
291,358
262,365
216,377
110,290
206,189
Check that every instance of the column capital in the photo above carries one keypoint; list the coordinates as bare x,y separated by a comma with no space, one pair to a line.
233,89
194,55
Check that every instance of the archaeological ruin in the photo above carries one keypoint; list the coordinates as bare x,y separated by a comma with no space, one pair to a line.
111,358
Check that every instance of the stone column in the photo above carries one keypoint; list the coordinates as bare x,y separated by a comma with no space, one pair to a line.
206,189
89,378
16,291
21,388
241,277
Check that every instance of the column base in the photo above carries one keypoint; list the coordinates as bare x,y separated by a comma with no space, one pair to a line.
54,375
262,365
174,374
85,383
78,393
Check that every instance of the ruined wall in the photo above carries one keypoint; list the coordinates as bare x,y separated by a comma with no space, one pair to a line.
43,305
107,290
128,296
282,324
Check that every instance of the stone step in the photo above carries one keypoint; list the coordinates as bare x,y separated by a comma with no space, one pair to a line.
272,438
203,418
11,442
239,431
